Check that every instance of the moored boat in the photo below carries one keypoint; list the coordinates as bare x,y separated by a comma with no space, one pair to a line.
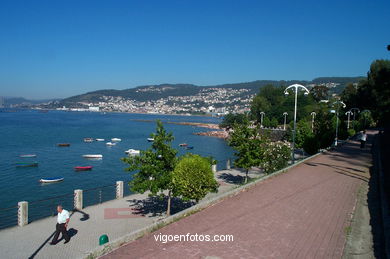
88,140
183,145
116,140
51,180
28,155
83,168
99,139
63,145
189,147
93,156
26,164
150,139
110,144
133,152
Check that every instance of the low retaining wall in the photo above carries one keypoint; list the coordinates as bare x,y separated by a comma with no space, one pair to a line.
383,196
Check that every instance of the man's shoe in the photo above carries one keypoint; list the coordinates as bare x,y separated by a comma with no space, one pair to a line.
67,241
53,244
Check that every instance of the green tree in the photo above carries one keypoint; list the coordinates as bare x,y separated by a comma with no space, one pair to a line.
193,178
320,92
155,166
232,118
259,104
246,142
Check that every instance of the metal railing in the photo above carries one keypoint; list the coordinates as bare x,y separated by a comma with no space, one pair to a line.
43,208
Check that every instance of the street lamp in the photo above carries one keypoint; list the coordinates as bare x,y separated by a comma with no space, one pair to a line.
337,104
313,114
354,111
349,114
296,88
261,118
285,116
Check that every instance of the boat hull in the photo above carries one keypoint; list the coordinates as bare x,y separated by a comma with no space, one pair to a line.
27,165
51,180
83,168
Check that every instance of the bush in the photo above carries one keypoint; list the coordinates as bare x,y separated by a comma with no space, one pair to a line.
275,156
351,132
193,178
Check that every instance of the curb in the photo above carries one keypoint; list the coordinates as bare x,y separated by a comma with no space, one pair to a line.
100,251
383,198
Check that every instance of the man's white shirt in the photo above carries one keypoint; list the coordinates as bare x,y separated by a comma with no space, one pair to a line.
62,217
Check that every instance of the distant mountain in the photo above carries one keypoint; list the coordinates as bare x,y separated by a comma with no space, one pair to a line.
20,101
155,92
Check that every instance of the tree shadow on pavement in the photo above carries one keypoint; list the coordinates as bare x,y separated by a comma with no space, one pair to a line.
232,179
71,232
348,171
157,206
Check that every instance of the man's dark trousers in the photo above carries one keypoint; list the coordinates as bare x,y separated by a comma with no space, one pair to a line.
60,228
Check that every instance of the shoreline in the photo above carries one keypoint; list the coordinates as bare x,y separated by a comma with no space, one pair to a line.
216,132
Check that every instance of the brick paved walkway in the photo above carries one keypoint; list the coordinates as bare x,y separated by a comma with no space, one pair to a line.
303,213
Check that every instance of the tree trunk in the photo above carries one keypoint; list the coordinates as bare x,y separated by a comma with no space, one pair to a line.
169,204
246,175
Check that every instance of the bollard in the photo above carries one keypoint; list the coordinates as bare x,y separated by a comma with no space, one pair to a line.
78,199
214,168
119,189
22,213
103,239
228,164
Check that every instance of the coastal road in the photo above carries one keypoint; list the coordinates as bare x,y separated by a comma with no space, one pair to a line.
304,213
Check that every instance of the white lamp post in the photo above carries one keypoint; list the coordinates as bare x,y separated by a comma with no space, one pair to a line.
313,114
337,103
261,118
354,111
285,116
296,88
348,113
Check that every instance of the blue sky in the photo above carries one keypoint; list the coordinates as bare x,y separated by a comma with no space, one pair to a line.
55,49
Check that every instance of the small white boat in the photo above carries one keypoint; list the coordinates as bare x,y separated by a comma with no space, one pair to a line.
100,139
116,140
51,180
93,156
133,152
88,140
28,155
150,139
110,144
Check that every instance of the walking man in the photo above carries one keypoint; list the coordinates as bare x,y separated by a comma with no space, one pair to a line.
62,224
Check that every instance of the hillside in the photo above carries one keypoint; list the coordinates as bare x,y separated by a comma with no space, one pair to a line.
155,92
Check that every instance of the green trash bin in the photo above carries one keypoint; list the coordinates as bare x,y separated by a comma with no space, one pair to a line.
103,239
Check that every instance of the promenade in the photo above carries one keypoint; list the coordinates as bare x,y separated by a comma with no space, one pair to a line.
303,213
115,218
